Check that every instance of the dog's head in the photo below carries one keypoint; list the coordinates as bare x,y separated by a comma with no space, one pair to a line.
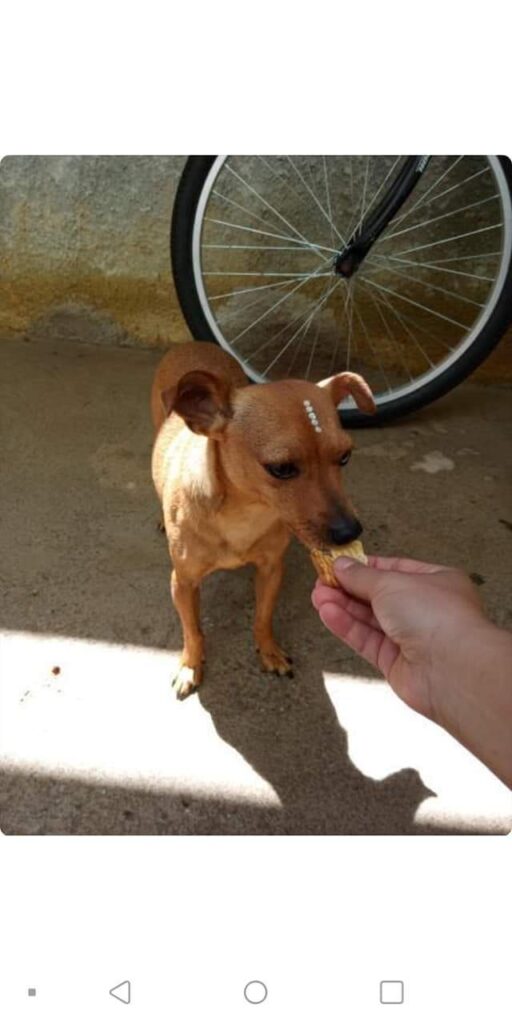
281,444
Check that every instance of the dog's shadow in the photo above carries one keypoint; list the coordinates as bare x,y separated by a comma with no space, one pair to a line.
287,729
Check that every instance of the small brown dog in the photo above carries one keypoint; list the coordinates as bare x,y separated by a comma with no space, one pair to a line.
238,467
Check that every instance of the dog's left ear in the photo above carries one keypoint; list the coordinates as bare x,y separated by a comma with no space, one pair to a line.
202,400
344,384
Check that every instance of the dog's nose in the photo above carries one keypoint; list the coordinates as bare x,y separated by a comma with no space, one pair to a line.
344,530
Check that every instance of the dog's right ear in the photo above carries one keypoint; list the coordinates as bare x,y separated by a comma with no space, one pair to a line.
202,400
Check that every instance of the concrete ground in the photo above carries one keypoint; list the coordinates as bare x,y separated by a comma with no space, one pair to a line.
93,740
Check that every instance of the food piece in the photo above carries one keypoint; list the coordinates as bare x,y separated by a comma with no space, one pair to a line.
323,560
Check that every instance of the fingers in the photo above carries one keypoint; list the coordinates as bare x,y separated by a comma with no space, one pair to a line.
363,580
360,580
358,609
367,641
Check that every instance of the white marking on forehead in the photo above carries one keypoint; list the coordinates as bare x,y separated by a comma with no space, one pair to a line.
313,418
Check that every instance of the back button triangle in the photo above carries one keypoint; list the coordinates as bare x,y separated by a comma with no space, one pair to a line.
123,992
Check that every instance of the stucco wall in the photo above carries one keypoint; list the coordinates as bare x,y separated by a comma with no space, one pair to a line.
84,242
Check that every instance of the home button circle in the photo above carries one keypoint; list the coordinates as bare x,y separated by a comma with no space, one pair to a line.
255,992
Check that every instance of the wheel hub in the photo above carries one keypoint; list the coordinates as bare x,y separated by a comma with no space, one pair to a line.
349,259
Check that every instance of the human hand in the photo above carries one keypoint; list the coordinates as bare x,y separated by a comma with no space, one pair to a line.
408,619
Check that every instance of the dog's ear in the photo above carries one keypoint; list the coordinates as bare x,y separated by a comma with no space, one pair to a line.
202,400
344,384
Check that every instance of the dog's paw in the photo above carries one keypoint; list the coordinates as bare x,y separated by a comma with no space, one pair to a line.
273,659
187,680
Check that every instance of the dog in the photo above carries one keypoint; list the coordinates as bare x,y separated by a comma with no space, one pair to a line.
238,468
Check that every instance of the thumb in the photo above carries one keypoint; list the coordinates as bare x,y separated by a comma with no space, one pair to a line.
357,579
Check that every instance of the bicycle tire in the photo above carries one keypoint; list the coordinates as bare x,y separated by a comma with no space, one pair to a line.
186,202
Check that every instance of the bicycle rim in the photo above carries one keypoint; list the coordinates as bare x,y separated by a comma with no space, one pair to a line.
266,233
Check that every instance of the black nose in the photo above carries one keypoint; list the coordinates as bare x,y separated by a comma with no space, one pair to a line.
344,530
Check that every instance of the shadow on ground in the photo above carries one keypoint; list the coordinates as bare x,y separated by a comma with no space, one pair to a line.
56,806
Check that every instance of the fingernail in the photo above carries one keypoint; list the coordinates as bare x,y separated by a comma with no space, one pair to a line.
344,563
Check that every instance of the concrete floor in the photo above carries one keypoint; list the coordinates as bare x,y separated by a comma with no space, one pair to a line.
93,740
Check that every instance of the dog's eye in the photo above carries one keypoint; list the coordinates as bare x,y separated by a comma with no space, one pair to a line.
282,470
345,458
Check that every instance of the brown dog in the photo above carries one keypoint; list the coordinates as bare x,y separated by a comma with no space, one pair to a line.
238,468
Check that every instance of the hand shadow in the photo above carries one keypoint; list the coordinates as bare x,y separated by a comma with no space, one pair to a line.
287,729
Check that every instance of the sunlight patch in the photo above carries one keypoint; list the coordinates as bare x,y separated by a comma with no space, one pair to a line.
106,712
385,736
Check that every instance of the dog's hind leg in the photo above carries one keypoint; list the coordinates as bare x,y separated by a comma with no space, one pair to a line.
185,596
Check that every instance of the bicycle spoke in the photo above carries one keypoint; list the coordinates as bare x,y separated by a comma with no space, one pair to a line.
268,234
372,350
232,314
245,291
360,205
365,187
250,213
313,349
301,315
302,338
427,284
398,316
278,303
316,200
284,181
450,238
408,319
442,216
458,259
266,203
351,289
377,193
350,323
423,330
288,343
264,248
452,188
338,333
428,266
412,302
422,198
260,273
377,304
328,197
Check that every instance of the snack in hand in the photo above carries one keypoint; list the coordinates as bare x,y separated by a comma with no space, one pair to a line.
323,560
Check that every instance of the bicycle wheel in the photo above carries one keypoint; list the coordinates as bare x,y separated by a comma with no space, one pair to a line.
254,245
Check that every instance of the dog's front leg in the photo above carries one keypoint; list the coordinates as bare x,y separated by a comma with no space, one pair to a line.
185,596
268,581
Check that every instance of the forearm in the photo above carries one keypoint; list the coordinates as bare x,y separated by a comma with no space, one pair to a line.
474,697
